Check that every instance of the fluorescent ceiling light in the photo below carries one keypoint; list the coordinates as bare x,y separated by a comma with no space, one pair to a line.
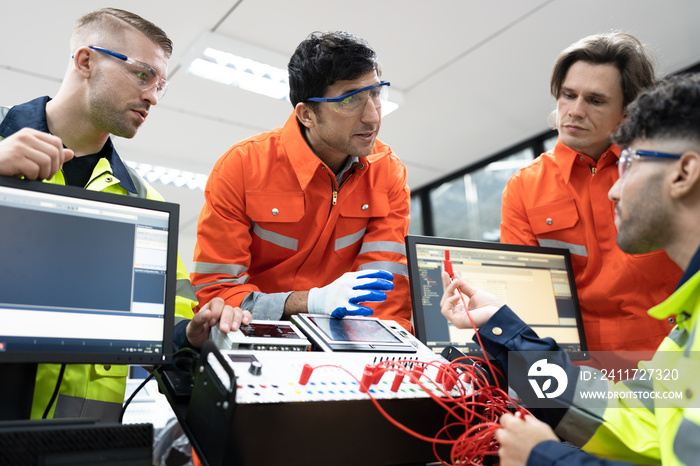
241,72
225,60
165,175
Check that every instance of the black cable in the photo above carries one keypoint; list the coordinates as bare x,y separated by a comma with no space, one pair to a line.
151,374
55,391
138,389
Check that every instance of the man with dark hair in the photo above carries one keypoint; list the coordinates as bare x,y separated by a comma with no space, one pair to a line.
560,199
311,217
653,417
116,73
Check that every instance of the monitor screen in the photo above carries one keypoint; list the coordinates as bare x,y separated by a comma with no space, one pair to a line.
536,283
87,277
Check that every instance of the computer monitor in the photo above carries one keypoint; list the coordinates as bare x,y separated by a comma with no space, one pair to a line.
87,277
536,282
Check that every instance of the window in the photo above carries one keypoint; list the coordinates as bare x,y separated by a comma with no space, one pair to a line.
470,206
416,226
549,143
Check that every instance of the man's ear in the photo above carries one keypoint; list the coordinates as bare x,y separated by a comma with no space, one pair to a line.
305,115
82,60
686,177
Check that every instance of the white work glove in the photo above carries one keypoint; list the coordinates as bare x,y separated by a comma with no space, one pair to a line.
342,297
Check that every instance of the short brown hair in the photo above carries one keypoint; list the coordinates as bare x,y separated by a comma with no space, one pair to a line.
112,20
620,49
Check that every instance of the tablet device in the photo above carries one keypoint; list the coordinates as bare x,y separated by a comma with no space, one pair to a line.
352,334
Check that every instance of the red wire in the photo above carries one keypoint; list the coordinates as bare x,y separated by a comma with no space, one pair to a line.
481,345
473,415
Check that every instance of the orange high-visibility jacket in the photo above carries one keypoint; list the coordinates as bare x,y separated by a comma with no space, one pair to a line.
561,200
276,220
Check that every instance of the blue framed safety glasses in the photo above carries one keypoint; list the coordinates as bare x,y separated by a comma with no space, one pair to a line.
143,74
354,102
627,156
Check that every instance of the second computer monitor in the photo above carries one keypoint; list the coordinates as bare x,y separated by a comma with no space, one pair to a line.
537,283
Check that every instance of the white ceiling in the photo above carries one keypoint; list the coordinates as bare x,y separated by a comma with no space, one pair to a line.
474,74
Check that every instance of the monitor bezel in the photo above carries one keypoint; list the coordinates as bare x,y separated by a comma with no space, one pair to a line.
78,356
418,312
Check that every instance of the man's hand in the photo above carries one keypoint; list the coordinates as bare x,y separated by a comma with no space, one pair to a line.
229,319
519,436
343,297
481,304
32,154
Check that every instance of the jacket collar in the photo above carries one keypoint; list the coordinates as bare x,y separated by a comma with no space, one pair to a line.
693,268
677,302
565,157
301,157
32,114
305,162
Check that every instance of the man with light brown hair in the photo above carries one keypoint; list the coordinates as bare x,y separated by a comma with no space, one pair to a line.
560,199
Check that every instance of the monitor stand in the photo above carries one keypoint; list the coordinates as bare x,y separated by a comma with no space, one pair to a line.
16,390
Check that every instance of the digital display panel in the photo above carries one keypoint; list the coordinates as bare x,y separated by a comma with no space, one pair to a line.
88,277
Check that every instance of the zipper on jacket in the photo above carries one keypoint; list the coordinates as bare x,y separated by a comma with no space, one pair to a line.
335,191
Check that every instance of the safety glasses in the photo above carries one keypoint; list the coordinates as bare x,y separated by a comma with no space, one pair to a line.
627,156
354,102
140,73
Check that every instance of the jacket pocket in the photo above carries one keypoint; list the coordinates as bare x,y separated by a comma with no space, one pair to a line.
107,370
275,229
274,207
364,204
354,216
553,217
557,225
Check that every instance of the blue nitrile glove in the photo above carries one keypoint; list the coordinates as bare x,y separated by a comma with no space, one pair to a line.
342,297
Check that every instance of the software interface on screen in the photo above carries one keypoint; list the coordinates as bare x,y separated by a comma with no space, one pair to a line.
535,285
78,273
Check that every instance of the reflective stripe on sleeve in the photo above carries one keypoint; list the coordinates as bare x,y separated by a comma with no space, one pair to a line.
275,238
577,249
233,270
240,280
393,267
384,246
585,416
